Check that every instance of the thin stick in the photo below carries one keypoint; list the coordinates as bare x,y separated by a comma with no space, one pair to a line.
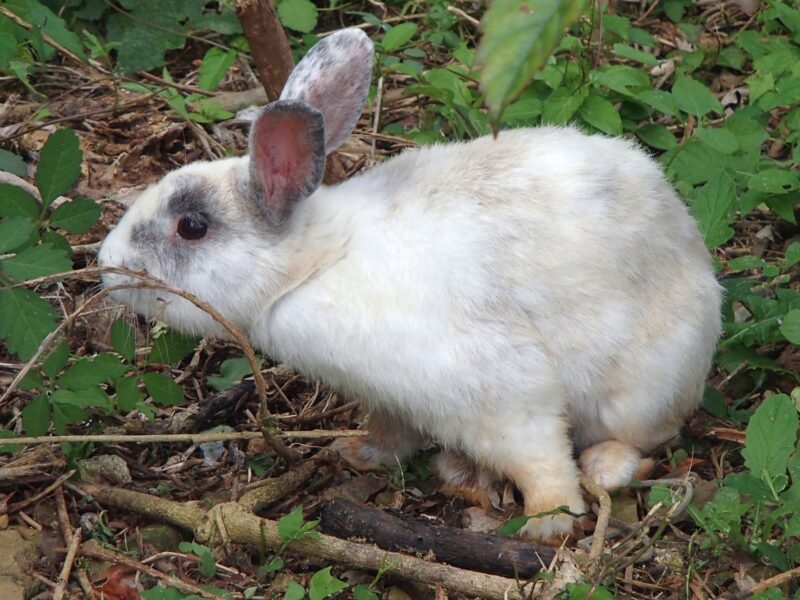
195,438
63,578
768,583
92,549
603,514
45,492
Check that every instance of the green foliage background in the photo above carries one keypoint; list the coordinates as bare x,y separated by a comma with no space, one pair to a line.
733,157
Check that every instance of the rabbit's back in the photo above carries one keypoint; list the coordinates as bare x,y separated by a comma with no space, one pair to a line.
542,247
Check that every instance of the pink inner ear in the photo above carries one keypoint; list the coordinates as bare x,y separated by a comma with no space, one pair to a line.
286,154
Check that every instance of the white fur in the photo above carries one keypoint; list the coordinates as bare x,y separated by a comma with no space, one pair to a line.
501,296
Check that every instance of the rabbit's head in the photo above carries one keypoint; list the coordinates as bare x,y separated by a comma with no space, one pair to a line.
223,230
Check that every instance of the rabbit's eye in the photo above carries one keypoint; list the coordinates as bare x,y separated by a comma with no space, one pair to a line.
191,228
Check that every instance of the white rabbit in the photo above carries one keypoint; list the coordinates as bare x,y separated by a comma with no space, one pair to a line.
514,299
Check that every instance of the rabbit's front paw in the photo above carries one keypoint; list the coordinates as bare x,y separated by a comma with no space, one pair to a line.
551,529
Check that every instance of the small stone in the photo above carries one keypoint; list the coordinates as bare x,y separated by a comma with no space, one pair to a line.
163,538
106,468
476,519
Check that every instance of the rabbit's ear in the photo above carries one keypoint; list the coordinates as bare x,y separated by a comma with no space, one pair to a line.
287,156
333,77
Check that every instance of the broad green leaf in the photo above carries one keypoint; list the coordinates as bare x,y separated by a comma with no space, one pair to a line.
522,112
9,161
695,98
622,79
324,585
25,320
36,416
128,393
151,28
713,209
76,216
66,414
82,375
123,339
587,591
720,139
790,326
660,100
46,22
600,113
87,398
16,202
59,165
290,525
294,591
774,181
163,389
171,347
771,437
518,38
36,261
14,232
362,592
625,51
512,526
561,105
214,67
56,360
792,254
398,36
232,371
300,15
657,136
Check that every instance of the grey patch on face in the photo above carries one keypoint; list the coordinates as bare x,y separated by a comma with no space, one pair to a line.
155,239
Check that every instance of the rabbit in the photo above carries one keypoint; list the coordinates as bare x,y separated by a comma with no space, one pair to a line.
519,300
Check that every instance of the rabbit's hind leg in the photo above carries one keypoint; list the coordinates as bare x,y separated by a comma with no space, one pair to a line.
613,464
390,442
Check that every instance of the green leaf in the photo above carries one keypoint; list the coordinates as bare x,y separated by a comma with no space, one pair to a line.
792,254
36,261
660,100
46,22
561,105
625,51
519,36
123,339
695,98
600,113
622,79
86,398
721,140
76,216
82,375
300,15
171,347
57,360
713,209
512,526
163,389
771,436
398,36
36,416
290,525
657,136
128,393
59,165
14,232
214,67
587,591
208,566
774,181
16,202
790,326
232,371
324,585
362,592
10,162
25,320
294,591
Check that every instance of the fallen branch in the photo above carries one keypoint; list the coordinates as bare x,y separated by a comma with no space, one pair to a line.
246,528
466,549
268,43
